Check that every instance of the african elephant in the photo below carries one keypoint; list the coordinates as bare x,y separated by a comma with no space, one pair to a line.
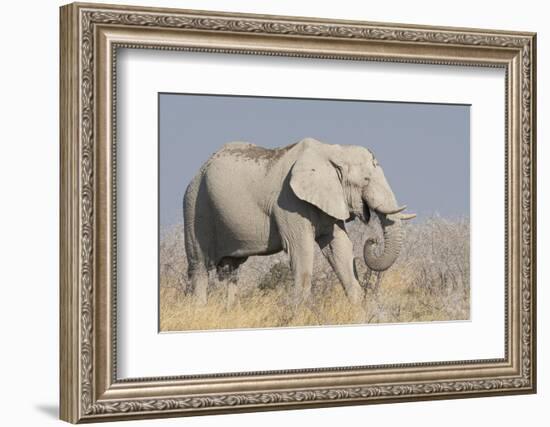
247,200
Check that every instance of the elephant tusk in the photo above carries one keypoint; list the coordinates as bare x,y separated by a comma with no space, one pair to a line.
405,217
395,211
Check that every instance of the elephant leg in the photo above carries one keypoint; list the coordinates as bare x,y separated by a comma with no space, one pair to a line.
228,272
301,253
338,250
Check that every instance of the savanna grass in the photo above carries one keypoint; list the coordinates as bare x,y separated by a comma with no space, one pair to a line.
429,282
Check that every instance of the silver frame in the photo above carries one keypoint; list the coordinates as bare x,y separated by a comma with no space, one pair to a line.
90,37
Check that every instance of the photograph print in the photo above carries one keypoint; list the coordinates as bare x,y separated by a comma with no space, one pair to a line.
299,212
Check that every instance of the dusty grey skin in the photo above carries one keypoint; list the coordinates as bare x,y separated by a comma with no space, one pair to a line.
247,200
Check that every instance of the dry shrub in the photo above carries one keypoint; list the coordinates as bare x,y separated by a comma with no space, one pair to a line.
428,282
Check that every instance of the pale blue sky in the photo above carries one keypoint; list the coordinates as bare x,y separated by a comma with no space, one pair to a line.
424,149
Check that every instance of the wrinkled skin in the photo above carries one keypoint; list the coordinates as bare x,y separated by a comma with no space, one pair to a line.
247,200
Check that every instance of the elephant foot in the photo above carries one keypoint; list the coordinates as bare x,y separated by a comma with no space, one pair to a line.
201,295
355,295
231,299
294,301
201,300
199,284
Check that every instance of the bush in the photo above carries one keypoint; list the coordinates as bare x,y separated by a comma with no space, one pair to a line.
279,275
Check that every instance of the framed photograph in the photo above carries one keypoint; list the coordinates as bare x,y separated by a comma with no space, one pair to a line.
267,212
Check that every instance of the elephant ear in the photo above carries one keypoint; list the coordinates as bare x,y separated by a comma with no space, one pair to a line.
316,181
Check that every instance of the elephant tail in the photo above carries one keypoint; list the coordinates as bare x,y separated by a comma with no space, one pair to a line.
194,222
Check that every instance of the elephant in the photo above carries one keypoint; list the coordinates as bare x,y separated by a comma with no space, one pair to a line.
248,200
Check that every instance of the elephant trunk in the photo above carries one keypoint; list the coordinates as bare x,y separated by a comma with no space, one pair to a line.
391,224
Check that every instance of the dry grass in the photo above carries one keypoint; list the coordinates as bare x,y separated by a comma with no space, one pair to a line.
429,282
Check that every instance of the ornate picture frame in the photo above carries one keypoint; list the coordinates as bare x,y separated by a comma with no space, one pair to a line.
90,37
